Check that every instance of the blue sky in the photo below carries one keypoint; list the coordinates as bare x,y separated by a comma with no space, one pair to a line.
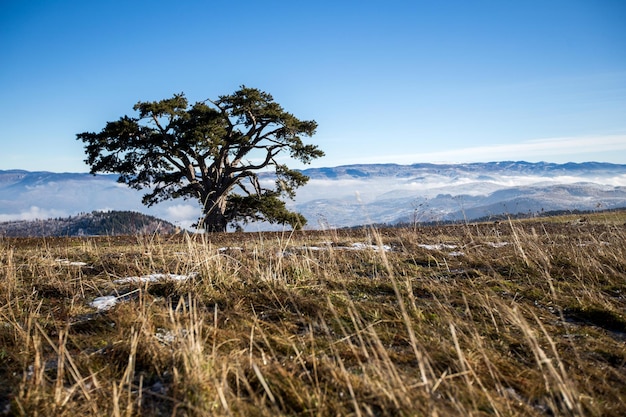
393,81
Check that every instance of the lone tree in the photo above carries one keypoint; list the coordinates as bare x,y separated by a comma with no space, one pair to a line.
212,151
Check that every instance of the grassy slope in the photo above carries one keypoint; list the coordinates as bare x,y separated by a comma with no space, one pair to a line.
521,318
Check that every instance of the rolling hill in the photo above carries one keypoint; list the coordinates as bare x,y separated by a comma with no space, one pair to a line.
88,224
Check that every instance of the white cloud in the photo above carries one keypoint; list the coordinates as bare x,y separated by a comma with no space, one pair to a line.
605,148
33,213
180,212
543,148
182,215
431,184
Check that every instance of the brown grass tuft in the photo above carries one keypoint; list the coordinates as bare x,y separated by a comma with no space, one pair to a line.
510,319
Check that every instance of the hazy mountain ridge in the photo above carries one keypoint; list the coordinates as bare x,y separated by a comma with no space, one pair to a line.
472,169
520,200
392,194
352,194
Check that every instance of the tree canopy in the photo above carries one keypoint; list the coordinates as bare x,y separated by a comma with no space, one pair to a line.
212,151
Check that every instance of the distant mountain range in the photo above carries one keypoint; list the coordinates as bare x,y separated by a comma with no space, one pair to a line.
391,194
351,195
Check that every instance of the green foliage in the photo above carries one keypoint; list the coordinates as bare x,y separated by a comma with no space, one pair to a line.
267,206
211,151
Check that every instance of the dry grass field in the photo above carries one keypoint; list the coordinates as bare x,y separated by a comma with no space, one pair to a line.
519,318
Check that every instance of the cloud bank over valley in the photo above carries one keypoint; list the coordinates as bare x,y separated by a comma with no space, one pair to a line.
349,195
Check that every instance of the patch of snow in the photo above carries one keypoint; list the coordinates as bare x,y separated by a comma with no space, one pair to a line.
104,303
71,263
107,302
313,248
364,246
154,278
167,336
497,244
439,246
229,248
354,246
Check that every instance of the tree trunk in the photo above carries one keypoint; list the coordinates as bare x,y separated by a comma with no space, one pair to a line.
214,219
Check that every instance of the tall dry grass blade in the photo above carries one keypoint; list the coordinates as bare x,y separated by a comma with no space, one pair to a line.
421,358
557,383
345,375
468,370
63,355
266,387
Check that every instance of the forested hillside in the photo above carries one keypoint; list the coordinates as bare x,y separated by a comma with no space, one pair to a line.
96,223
